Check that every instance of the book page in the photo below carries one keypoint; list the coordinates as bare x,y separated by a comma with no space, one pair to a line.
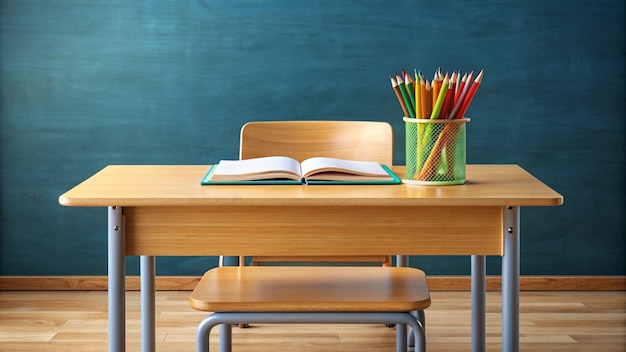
270,167
341,169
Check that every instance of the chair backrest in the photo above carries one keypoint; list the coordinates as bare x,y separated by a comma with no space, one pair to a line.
354,140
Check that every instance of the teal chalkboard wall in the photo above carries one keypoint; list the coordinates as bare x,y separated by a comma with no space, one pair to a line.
86,83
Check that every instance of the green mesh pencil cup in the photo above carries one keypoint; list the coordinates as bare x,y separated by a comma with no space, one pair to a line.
435,151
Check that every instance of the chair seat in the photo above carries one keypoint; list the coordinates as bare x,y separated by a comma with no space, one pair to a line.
311,289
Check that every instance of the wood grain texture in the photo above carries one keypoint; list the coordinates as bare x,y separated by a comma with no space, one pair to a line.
553,321
312,230
176,185
352,140
311,289
435,283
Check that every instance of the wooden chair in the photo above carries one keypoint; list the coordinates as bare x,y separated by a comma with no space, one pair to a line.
355,140
313,295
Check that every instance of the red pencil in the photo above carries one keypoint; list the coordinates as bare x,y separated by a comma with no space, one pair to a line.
447,103
470,95
460,86
458,104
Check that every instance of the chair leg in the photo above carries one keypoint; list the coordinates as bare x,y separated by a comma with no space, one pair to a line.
229,261
226,338
421,317
401,338
203,333
420,338
227,319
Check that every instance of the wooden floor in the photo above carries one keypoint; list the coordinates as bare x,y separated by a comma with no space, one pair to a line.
77,321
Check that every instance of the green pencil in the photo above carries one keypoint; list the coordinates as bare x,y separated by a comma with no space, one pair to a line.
410,89
405,95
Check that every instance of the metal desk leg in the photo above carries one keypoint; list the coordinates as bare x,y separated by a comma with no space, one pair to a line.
117,285
510,280
147,272
479,311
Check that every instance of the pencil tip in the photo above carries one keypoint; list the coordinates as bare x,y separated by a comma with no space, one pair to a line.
479,78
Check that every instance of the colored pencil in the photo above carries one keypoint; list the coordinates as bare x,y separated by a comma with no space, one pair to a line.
410,89
418,103
470,94
445,97
459,87
429,166
396,90
424,97
447,103
405,96
443,90
429,99
459,103
436,84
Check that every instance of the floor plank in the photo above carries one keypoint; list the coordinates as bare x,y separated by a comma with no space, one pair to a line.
59,321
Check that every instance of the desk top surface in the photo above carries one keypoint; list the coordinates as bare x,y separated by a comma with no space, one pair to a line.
179,185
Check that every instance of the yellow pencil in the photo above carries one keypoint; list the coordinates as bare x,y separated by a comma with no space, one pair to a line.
429,99
418,97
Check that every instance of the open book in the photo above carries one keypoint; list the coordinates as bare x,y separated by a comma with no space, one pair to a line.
285,170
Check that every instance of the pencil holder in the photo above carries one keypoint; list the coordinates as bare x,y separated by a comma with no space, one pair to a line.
435,151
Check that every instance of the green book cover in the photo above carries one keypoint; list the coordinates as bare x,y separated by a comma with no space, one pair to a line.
280,170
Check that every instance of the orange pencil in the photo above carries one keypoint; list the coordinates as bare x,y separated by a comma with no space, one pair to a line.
424,97
396,89
436,84
430,165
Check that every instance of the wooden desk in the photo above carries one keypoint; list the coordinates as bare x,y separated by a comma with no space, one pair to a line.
164,211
